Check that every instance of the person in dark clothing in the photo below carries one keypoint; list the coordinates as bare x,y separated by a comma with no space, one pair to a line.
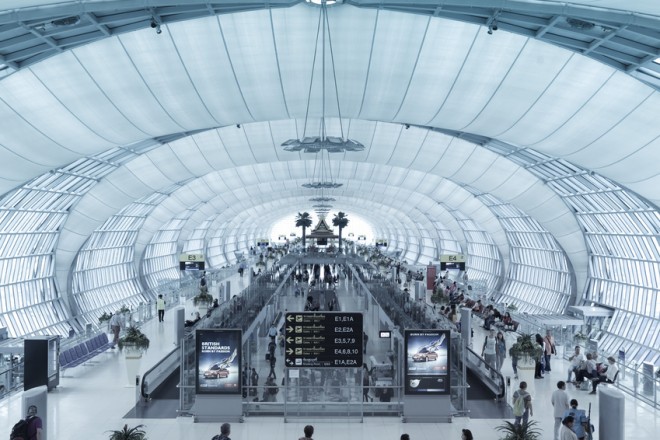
225,430
272,366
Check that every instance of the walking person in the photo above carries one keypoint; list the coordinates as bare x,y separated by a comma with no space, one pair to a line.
560,404
115,326
549,343
580,421
488,352
160,306
308,431
34,424
225,430
522,404
500,350
272,366
567,429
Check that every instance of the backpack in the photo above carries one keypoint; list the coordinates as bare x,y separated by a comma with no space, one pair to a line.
519,406
20,430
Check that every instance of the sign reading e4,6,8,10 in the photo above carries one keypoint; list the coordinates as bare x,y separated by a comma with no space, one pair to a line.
323,339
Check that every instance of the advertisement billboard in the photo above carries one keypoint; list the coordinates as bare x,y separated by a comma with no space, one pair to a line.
218,361
427,362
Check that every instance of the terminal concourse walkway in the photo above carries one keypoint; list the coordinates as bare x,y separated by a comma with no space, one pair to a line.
96,398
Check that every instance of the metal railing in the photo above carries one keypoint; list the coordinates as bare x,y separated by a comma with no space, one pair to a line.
245,311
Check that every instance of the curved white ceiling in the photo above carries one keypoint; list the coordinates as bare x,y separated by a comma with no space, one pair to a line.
392,67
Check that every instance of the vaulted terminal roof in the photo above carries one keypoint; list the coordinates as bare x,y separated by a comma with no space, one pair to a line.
532,147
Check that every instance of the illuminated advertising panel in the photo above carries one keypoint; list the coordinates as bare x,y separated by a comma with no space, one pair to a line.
427,362
218,361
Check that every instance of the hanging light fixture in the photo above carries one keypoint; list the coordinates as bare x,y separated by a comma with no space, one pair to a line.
323,142
322,199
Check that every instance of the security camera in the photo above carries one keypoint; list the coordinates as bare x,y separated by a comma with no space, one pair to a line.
154,24
495,26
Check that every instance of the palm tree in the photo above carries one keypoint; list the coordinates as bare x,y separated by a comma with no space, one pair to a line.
303,221
341,221
128,433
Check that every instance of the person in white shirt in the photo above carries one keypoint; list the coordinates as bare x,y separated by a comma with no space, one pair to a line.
560,404
576,360
566,432
610,374
488,352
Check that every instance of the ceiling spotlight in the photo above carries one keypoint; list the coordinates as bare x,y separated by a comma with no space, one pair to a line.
238,126
407,126
494,25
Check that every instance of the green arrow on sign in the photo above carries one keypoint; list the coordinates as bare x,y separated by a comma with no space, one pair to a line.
289,329
289,350
290,318
289,340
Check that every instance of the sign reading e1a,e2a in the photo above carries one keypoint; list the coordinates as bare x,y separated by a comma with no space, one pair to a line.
323,339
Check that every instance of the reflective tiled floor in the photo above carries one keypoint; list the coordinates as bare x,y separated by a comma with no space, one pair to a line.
96,398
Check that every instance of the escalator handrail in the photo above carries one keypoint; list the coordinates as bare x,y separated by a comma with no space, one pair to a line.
177,350
498,382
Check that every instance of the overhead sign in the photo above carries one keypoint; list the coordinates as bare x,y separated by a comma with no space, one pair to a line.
452,262
323,339
191,262
191,257
452,258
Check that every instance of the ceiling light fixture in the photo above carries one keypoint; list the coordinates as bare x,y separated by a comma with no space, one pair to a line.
322,199
323,142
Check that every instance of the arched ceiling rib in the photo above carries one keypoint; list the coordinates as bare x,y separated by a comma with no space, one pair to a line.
448,74
200,154
392,67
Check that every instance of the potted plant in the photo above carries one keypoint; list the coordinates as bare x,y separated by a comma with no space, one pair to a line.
127,433
134,339
133,344
527,352
580,337
105,317
523,431
526,347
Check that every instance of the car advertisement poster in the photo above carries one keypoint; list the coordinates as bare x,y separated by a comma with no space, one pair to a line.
427,362
218,361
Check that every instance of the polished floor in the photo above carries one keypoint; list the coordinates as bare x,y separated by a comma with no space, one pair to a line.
93,399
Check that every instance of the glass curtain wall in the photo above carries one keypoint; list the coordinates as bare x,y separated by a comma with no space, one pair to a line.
484,263
30,220
104,276
160,256
621,232
538,279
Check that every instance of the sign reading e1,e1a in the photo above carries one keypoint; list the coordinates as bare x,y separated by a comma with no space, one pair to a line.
323,339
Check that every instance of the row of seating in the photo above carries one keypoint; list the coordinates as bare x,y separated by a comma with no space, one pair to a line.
84,351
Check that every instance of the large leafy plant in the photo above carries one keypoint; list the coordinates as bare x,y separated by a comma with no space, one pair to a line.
522,431
526,347
134,338
127,433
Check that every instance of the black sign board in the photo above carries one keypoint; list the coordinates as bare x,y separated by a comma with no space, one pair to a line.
452,265
323,339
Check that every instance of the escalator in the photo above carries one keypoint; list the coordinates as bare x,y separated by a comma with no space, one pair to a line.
487,389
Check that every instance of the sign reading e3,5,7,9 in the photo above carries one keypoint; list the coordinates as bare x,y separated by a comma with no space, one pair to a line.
323,339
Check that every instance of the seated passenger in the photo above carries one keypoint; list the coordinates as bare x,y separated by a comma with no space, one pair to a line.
509,323
478,307
588,370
